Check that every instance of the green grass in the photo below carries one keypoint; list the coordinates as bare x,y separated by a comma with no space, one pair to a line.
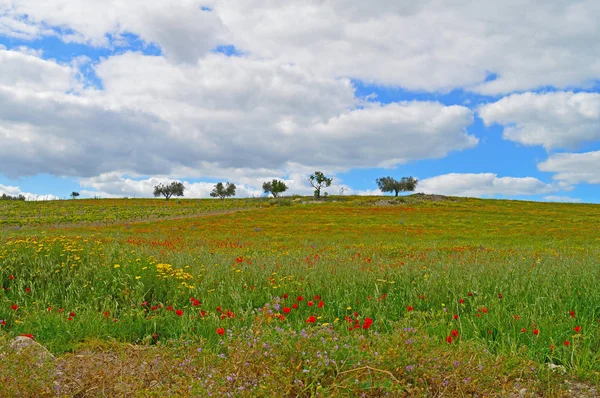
500,266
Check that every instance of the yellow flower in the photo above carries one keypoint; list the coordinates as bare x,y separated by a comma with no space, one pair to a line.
138,277
116,265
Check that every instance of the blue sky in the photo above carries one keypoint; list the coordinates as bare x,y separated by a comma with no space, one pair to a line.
111,104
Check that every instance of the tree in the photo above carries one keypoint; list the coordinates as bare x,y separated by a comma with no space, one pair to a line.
319,181
74,194
223,191
274,187
389,184
175,188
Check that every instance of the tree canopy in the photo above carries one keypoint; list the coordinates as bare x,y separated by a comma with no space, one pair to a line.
389,184
274,187
175,188
223,190
319,181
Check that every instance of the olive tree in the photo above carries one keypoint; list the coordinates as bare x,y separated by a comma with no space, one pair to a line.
389,184
274,187
223,190
175,188
318,182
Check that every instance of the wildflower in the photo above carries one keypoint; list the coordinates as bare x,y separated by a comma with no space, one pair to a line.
299,298
449,339
27,290
470,294
239,259
220,331
61,310
155,336
106,314
311,319
144,304
70,318
154,308
577,328
294,306
14,307
219,309
454,333
281,318
499,295
367,324
461,301
202,313
572,313
286,310
317,297
179,312
536,332
455,316
310,303
566,343
409,308
2,322
285,295
49,308
29,335
321,304
11,277
230,314
170,308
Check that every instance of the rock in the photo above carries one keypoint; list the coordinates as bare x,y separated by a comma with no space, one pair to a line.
20,343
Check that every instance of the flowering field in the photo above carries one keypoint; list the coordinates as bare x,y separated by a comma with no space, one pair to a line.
349,297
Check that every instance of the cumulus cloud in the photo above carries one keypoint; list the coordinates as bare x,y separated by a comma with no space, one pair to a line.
553,120
16,191
562,199
486,184
427,45
155,117
574,168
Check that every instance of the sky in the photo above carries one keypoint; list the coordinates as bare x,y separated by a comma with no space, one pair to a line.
474,98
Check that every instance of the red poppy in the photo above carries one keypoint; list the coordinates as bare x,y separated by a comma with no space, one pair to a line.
70,318
154,308
409,308
230,314
72,313
220,331
299,298
27,290
14,307
484,310
454,333
577,328
155,336
536,332
321,304
517,317
239,259
462,301
449,339
195,302
281,318
317,297
470,294
170,308
566,343
11,277
572,313
29,335
310,303
455,316
202,313
49,308
499,295
311,319
106,314
355,313
219,309
285,295
179,312
2,322
523,330
368,322
294,306
287,310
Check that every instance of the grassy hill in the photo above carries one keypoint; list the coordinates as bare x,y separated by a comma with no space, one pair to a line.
419,295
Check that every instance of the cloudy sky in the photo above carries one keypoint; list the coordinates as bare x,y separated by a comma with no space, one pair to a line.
475,98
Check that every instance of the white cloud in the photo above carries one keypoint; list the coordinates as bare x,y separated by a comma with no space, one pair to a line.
486,184
224,114
554,120
16,191
563,199
574,168
425,45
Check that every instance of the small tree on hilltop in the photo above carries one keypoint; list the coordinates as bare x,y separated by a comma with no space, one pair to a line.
74,194
223,191
274,187
319,181
175,188
389,184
